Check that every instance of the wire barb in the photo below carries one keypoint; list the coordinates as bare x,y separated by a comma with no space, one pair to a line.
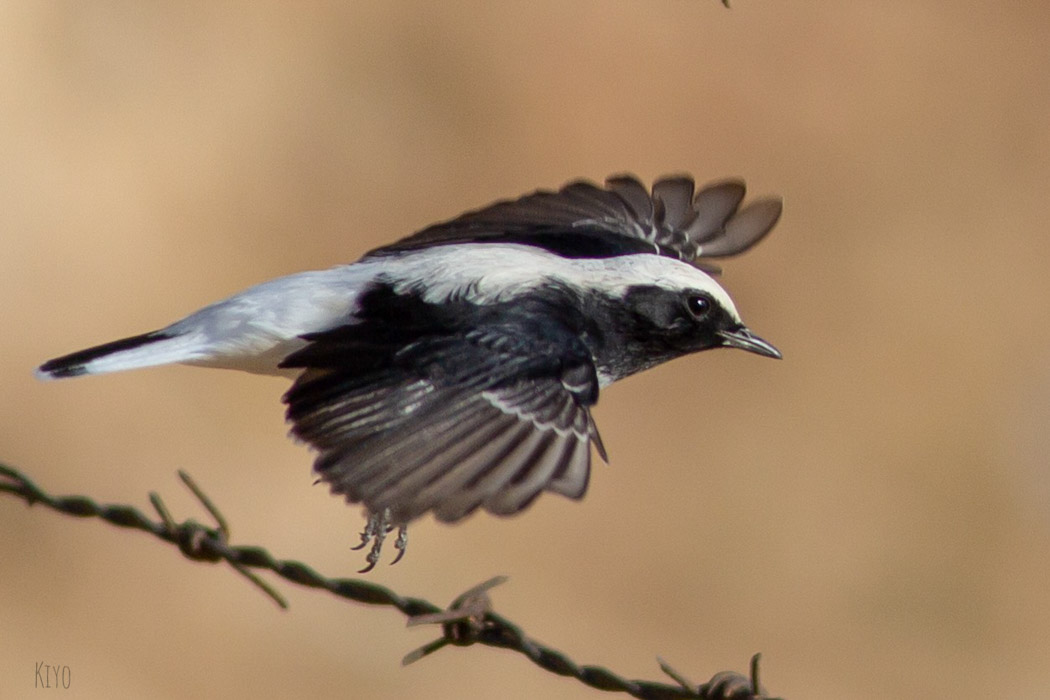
726,685
468,620
462,622
203,543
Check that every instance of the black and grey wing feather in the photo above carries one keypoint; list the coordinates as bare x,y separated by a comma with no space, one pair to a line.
585,220
505,421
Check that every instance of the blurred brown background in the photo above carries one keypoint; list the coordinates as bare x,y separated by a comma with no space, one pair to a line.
872,513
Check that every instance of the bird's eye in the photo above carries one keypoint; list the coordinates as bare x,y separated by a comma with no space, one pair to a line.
699,305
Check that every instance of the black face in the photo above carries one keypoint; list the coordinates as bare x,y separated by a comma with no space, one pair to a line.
659,324
685,321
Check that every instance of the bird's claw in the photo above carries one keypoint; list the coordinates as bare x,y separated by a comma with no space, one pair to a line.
376,530
371,527
400,544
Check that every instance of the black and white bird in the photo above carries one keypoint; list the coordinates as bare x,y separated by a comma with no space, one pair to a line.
455,369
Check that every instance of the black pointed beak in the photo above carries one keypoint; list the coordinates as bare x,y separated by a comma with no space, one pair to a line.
746,340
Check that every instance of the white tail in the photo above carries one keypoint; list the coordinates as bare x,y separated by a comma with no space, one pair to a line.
147,350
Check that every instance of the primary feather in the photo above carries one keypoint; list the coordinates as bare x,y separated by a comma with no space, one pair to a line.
585,220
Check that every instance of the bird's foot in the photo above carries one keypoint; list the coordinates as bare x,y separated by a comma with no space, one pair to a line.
376,530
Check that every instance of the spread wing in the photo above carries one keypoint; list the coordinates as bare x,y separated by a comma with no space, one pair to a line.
450,423
585,220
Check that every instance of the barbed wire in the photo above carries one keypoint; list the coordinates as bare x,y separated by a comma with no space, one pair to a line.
468,620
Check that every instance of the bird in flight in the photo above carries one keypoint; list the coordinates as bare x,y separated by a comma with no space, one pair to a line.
455,369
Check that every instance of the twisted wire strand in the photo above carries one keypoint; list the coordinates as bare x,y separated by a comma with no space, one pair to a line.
468,620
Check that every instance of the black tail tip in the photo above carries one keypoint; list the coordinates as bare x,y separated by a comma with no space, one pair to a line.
57,369
76,364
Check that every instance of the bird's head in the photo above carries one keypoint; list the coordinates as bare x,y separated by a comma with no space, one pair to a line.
660,308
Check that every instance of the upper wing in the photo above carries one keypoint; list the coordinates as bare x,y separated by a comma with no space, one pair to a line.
488,418
583,219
